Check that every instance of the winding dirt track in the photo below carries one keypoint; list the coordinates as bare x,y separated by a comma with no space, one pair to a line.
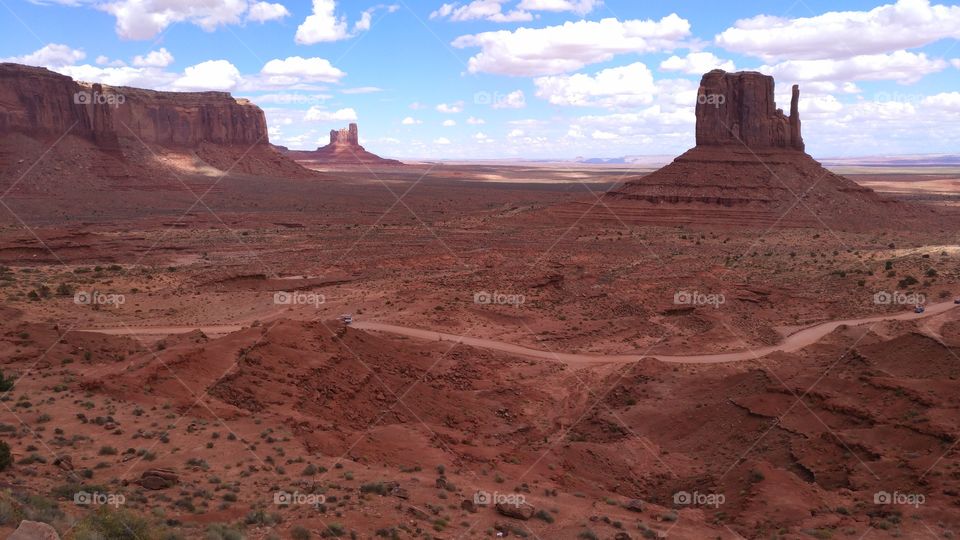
793,342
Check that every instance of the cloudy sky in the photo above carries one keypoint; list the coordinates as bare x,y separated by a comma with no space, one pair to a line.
519,78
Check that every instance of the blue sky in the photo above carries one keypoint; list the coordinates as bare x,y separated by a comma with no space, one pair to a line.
519,78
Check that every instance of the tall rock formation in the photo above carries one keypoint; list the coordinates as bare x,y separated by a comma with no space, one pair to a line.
739,109
124,123
748,169
344,149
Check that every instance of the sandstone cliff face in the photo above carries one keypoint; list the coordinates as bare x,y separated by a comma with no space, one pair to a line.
739,109
39,102
349,136
131,129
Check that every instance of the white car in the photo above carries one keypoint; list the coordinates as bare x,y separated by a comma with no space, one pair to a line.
347,318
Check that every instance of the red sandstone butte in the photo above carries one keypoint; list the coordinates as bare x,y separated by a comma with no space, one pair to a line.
344,149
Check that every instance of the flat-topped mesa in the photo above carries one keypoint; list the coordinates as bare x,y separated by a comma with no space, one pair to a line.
739,109
348,136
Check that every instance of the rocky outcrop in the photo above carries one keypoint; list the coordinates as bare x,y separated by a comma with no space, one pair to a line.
344,149
739,109
749,169
47,106
34,530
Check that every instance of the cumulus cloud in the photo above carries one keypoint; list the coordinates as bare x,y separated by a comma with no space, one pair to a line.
615,87
50,55
494,10
296,69
265,11
580,7
324,25
570,46
450,108
319,114
411,121
947,101
491,10
956,62
209,75
442,141
901,66
476,121
137,19
449,123
843,34
159,58
696,63
513,100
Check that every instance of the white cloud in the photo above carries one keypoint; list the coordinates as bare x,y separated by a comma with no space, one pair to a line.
570,46
482,138
51,55
137,19
604,135
513,100
901,66
476,121
362,90
209,75
956,62
265,11
452,108
323,25
318,114
696,63
494,11
491,10
411,121
160,58
442,141
580,7
449,123
514,133
947,101
614,87
120,75
296,69
417,106
843,34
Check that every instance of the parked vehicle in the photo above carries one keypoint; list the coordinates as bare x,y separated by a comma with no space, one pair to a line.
346,318
919,309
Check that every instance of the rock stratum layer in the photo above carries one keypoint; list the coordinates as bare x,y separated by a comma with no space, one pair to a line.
131,129
739,108
748,169
344,149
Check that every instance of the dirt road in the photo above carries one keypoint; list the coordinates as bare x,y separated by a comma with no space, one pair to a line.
793,342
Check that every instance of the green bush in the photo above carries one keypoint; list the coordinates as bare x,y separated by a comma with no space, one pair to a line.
106,522
6,458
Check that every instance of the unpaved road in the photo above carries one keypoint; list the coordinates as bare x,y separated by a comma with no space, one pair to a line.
793,342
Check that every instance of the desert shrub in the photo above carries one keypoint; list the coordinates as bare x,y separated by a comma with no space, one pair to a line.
106,522
6,458
219,531
907,281
6,384
374,487
299,533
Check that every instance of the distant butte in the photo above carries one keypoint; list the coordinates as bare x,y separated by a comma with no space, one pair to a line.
749,168
344,149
